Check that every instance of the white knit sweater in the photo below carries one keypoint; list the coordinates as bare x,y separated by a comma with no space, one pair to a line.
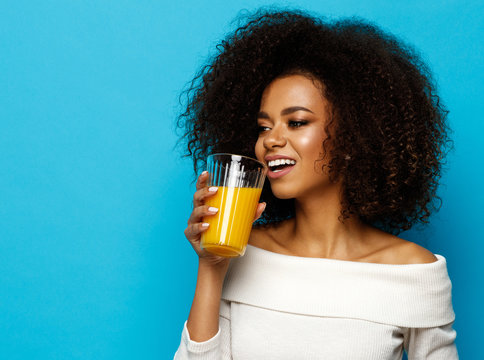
287,307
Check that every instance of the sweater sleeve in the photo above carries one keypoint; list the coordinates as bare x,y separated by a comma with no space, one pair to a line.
216,348
436,343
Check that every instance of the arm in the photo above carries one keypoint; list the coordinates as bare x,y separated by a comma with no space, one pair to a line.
216,348
203,320
200,338
204,333
437,343
203,330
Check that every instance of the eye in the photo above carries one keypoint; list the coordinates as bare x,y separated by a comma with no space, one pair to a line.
297,123
262,128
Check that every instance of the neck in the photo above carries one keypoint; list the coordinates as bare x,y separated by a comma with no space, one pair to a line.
317,231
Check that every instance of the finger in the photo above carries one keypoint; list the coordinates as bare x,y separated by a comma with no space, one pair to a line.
202,194
193,231
260,209
202,180
200,212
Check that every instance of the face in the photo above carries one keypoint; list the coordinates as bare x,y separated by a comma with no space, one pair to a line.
291,120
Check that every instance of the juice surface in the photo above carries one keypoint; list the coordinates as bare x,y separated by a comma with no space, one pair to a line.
230,227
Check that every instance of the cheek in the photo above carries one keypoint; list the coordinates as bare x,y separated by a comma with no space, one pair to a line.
311,144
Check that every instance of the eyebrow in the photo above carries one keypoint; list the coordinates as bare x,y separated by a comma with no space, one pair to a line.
286,111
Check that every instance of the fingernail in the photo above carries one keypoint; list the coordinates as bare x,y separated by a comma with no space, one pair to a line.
212,188
205,225
204,172
212,209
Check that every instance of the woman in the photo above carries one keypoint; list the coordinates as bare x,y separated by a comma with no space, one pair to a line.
324,275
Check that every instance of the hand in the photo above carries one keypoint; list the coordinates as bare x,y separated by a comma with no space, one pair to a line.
195,226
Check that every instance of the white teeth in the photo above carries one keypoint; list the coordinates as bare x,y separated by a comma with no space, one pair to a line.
281,162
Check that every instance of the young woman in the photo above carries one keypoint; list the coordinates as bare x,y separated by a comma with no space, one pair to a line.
324,275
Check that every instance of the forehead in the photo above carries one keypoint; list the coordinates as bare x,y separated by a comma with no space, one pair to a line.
294,90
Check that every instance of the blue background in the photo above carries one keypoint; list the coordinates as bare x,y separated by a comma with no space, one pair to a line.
94,198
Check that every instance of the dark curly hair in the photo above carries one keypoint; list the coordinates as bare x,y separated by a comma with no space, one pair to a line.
387,130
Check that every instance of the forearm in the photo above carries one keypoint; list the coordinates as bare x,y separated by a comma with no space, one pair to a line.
203,320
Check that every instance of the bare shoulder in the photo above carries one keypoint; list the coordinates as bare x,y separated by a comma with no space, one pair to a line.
395,250
411,253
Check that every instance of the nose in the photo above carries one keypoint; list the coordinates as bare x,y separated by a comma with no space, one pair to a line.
275,138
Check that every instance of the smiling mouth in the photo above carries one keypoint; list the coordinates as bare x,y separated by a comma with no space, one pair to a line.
280,164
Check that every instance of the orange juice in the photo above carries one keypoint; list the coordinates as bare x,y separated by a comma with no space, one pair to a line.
230,227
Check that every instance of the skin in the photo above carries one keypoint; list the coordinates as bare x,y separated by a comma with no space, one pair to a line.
315,231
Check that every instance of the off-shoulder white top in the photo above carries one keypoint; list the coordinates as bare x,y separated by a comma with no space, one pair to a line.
278,306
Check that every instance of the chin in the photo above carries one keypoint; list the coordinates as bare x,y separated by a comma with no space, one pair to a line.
283,192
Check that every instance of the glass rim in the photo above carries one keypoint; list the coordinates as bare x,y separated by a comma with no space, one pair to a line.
264,166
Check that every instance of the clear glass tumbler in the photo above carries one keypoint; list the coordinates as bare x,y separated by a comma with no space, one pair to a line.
239,180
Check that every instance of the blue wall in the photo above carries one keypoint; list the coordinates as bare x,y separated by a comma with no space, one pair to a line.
94,200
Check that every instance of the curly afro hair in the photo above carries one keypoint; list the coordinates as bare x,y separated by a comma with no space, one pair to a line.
387,130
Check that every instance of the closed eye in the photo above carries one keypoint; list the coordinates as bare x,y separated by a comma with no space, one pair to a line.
297,123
